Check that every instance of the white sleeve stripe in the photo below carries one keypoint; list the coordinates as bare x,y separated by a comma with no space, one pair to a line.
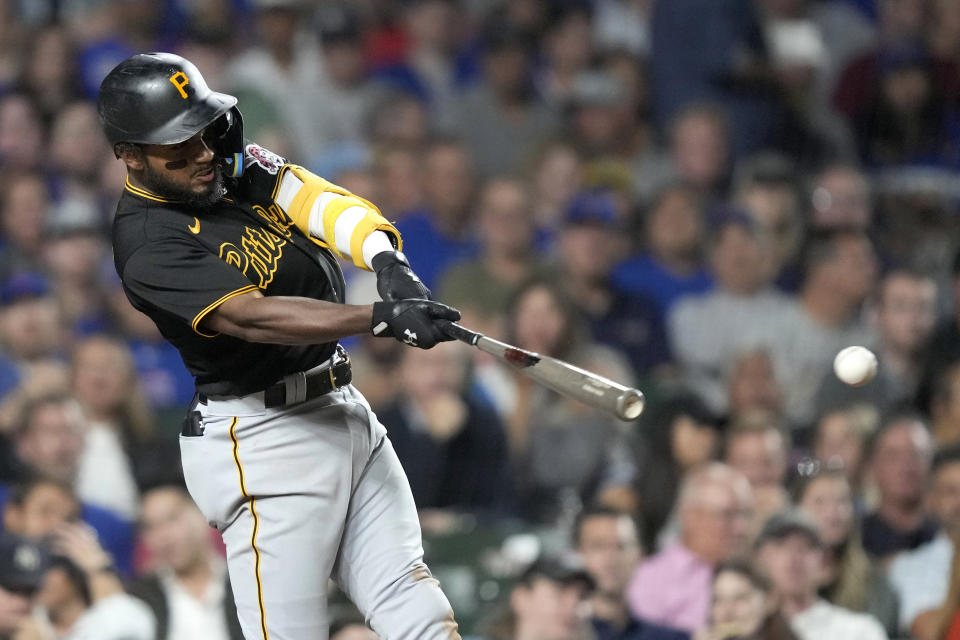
344,226
289,187
317,209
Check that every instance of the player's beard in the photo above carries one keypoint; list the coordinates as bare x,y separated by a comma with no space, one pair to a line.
160,185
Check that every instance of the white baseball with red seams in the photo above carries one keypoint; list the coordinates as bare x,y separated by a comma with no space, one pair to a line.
855,365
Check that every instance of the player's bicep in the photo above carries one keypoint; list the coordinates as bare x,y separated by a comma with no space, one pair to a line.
183,280
331,214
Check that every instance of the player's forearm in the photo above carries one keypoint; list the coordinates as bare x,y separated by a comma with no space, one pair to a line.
288,320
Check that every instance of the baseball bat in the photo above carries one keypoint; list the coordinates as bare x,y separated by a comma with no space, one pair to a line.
589,388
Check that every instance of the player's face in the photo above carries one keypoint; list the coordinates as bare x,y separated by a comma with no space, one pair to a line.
187,171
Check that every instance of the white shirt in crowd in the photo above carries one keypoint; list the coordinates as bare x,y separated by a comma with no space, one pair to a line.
117,617
105,478
824,621
197,618
921,578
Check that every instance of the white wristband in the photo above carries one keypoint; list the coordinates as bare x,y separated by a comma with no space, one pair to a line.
376,242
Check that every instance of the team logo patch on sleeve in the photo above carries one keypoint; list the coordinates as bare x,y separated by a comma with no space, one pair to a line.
270,161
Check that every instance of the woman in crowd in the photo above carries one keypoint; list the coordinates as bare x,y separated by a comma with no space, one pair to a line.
849,578
743,606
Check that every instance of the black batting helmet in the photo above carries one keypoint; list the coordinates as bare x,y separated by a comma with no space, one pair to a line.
161,98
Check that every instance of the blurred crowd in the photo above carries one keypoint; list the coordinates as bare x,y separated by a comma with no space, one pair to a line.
707,199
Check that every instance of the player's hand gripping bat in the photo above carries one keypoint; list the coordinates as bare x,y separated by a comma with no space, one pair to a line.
589,388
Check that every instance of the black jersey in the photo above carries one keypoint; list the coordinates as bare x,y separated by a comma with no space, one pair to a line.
179,263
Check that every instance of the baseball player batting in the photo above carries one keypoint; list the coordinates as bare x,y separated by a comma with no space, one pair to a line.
233,253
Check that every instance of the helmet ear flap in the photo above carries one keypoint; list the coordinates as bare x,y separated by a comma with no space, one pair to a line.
225,138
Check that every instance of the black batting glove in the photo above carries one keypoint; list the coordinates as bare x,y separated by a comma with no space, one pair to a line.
413,322
395,279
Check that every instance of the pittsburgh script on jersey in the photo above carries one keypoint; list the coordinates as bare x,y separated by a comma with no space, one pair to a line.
260,250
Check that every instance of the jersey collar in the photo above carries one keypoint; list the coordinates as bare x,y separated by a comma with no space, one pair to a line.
143,193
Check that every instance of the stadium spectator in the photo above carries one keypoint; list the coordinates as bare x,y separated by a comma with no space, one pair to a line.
83,596
547,602
743,311
74,255
439,231
840,198
425,64
24,210
704,50
608,543
453,447
840,272
904,318
284,71
187,588
757,447
567,50
848,577
900,456
556,177
501,118
765,186
630,323
31,328
743,605
679,435
790,550
921,576
36,508
21,134
670,267
840,437
481,288
752,385
672,587
346,95
119,422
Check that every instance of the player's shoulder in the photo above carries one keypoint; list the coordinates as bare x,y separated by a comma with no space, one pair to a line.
261,172
257,158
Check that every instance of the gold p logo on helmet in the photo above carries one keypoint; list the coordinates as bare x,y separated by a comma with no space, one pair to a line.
180,80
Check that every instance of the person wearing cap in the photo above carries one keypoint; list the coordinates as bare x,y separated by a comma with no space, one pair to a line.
547,603
789,549
672,587
234,254
587,243
22,564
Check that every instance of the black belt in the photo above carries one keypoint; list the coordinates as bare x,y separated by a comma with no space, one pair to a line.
303,386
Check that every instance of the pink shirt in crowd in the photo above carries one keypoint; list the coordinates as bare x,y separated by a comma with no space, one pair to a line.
672,588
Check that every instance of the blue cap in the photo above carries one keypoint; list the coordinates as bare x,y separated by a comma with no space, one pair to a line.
23,285
591,208
22,563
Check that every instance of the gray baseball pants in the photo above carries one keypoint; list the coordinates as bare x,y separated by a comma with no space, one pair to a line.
306,493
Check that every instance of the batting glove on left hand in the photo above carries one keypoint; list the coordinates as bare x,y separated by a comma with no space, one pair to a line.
413,322
395,279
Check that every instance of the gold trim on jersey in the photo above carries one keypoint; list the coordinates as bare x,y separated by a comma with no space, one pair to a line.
195,325
143,193
256,525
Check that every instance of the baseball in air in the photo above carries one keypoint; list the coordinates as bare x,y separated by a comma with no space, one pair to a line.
855,365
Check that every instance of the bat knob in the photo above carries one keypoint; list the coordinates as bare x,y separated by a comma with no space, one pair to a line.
630,404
